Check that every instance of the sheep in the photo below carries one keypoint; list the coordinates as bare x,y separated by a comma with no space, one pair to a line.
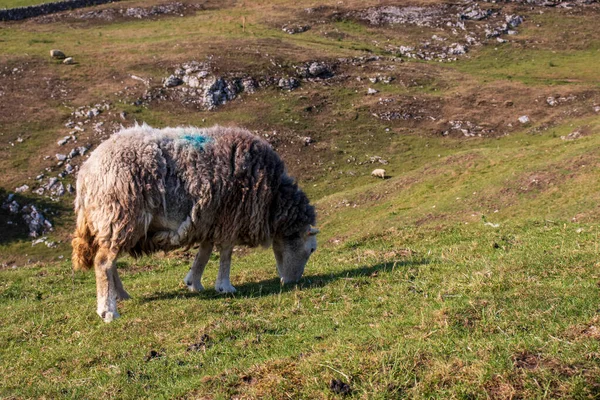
145,190
378,173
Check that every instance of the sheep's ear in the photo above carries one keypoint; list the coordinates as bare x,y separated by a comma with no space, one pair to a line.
313,231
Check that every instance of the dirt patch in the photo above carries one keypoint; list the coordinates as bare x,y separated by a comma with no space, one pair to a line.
590,330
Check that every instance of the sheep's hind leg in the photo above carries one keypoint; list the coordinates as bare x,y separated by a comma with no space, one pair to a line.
193,280
106,286
223,284
121,292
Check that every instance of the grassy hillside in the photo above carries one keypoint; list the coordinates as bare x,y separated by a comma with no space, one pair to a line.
470,272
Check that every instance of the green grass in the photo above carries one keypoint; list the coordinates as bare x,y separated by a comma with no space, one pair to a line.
21,3
450,318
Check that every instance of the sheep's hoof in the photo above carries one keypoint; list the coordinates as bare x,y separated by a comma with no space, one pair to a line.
109,316
194,287
225,287
192,284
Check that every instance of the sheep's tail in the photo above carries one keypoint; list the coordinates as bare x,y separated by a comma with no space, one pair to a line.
84,245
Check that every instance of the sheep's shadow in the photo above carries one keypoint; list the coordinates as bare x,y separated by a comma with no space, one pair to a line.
270,287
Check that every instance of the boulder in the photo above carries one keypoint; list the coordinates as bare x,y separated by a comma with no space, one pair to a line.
57,54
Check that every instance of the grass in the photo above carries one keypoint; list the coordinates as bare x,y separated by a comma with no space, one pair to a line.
470,273
450,317
22,3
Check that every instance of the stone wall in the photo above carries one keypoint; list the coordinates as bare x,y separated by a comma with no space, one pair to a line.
16,14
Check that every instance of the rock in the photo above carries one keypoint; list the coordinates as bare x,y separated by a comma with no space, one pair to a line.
372,91
22,189
172,81
551,101
63,141
93,112
191,81
69,169
73,153
524,119
457,49
318,69
61,157
249,84
217,91
572,136
11,205
70,188
378,173
288,83
307,140
514,20
123,115
35,221
51,182
57,54
475,13
294,29
69,61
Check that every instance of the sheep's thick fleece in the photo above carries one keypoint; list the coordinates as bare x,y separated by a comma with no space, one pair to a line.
147,189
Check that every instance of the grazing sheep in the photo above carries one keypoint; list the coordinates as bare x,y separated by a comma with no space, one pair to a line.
145,190
378,173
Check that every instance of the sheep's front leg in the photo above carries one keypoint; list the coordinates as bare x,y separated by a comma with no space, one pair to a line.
106,287
193,280
223,284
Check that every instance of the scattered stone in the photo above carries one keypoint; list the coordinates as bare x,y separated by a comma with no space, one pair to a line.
288,83
524,119
475,13
172,81
572,136
294,29
22,189
70,188
457,49
63,141
552,102
123,115
69,61
249,84
372,91
35,221
61,157
218,91
57,54
514,21
94,112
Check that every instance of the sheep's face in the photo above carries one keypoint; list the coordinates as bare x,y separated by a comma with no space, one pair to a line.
292,253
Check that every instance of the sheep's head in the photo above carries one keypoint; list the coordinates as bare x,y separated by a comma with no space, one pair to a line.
292,253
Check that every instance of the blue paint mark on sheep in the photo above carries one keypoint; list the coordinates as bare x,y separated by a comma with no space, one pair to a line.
197,140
